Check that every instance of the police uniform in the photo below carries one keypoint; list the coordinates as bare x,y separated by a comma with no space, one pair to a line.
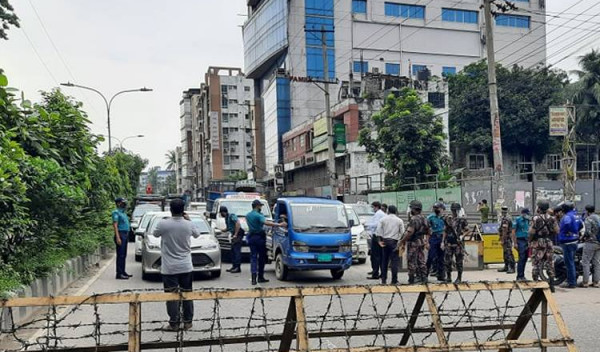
507,243
542,249
435,256
415,252
453,246
257,240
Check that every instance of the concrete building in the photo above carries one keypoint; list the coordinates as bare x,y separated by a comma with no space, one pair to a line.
187,142
161,186
283,45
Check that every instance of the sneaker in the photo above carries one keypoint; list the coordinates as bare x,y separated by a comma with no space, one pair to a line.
502,270
187,326
170,327
521,279
595,285
568,286
583,285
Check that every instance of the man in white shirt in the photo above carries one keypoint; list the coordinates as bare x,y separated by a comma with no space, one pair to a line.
371,227
388,233
176,258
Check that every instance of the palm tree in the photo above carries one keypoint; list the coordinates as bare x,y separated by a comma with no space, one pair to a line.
587,96
171,159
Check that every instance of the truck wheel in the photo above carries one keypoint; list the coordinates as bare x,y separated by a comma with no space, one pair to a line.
281,270
215,274
337,274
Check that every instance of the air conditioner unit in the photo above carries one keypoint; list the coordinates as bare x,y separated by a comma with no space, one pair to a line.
375,70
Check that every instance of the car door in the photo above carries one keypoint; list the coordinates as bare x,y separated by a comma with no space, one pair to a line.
280,234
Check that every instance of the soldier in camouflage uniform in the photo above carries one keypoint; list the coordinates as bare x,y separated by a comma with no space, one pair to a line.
416,235
507,240
542,230
453,244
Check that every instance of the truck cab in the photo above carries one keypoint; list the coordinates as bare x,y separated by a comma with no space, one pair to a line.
316,236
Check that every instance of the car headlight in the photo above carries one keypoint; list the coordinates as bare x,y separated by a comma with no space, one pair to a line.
300,247
346,247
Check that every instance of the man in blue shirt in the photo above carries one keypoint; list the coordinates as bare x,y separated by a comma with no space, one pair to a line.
257,240
520,233
435,256
237,233
376,251
121,229
568,237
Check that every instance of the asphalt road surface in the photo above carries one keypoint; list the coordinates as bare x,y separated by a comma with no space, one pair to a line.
580,308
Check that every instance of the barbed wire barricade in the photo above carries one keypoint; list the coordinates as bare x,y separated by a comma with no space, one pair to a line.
437,317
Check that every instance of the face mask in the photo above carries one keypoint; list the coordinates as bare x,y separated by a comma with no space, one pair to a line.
527,216
438,211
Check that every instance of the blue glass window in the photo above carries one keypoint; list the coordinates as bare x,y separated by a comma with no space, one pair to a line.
359,6
313,25
513,21
417,68
404,10
314,63
392,69
448,71
319,7
361,68
462,16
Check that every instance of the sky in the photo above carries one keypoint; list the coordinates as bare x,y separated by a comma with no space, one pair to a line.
112,45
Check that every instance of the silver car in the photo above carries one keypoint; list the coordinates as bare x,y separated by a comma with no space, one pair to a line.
206,254
139,233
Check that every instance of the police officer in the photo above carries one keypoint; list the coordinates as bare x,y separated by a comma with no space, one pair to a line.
257,240
543,229
452,242
506,238
416,235
435,257
520,233
237,234
121,230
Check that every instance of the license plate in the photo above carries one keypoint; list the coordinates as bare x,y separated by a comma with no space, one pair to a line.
324,258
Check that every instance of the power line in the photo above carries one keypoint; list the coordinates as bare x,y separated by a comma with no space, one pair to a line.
576,50
39,57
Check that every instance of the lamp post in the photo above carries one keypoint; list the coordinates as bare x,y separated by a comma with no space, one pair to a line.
108,102
121,141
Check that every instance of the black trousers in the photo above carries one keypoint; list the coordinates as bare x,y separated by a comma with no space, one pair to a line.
179,283
389,256
375,255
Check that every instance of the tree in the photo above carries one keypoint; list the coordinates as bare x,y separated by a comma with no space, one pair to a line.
238,176
7,18
524,96
587,97
153,178
171,160
405,137
170,185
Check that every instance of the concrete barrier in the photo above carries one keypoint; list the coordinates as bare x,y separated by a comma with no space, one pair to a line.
51,285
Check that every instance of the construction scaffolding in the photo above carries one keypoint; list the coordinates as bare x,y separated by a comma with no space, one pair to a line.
479,316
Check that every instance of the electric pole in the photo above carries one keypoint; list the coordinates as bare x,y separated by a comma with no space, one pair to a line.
330,151
494,110
569,156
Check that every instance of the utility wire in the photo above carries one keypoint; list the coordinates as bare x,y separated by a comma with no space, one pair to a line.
39,56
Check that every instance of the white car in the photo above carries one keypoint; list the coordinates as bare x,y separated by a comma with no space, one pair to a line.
360,247
139,233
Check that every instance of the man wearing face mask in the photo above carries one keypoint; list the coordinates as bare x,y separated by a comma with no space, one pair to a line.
435,257
121,228
520,233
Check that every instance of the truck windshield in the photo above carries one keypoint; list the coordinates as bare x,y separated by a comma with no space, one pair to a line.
319,217
352,215
242,207
362,209
143,208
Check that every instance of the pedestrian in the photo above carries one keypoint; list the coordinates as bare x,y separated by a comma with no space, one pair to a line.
484,211
371,227
543,229
388,232
435,256
257,240
452,243
121,229
176,268
591,247
568,236
416,235
234,227
506,238
384,208
520,233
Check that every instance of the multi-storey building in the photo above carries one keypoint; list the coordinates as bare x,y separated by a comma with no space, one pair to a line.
187,143
285,41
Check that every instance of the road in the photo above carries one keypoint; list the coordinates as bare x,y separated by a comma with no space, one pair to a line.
580,309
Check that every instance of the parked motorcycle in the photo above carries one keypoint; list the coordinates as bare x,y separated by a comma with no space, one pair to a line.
560,269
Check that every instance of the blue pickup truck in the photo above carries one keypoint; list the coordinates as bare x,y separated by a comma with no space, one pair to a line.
317,237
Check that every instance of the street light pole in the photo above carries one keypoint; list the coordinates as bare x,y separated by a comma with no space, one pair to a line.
107,102
130,137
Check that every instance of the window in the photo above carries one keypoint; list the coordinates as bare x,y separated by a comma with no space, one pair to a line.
225,117
294,144
319,7
476,161
226,160
302,140
513,21
418,68
462,16
359,6
246,89
553,162
224,101
392,69
361,66
348,162
436,99
314,62
233,87
448,71
319,14
404,10
233,101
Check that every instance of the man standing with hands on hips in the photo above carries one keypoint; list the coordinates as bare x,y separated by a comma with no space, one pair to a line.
371,226
257,240
121,228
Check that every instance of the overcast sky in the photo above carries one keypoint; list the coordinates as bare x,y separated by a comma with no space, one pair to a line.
113,45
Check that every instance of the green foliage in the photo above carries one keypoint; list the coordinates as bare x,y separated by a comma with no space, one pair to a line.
406,138
7,18
171,157
524,97
56,193
586,95
238,176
